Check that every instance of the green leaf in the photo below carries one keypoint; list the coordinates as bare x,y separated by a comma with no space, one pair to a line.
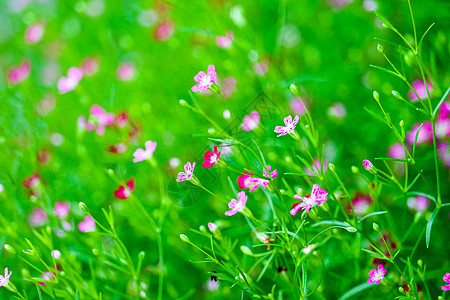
423,36
372,214
429,225
440,102
385,70
356,290
390,158
376,116
415,140
383,19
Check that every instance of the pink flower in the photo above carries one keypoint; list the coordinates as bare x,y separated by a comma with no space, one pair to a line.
317,167
121,119
37,218
118,148
32,181
261,68
211,158
425,134
361,204
367,165
189,171
47,276
289,126
141,154
88,225
419,86
90,66
102,119
245,180
164,31
229,86
237,205
34,33
123,192
337,110
61,209
126,71
317,197
56,254
212,226
4,280
419,203
444,287
444,153
396,151
69,83
204,80
376,275
256,182
225,41
251,121
19,73
297,106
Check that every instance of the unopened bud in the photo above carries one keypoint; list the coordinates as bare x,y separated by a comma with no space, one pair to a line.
184,238
246,250
380,48
376,96
96,252
355,170
376,227
351,229
83,207
202,228
294,89
401,290
402,123
141,255
332,167
397,95
420,263
10,249
183,102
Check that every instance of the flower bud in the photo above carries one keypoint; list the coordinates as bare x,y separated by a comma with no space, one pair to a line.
202,228
355,170
184,238
401,290
376,96
96,252
397,95
83,207
402,123
246,250
10,249
376,227
332,167
380,48
351,229
141,255
420,263
294,89
183,103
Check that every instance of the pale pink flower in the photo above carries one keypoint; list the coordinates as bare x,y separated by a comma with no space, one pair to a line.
225,41
123,192
19,73
69,83
34,33
289,126
32,182
90,66
188,172
174,162
317,167
87,225
141,154
56,254
229,86
361,204
297,106
337,110
212,227
164,30
1,188
126,71
61,209
419,203
37,218
47,275
46,105
204,80
339,3
446,278
419,86
425,134
237,205
118,148
317,197
376,275
396,151
261,68
4,280
251,121
102,119
443,150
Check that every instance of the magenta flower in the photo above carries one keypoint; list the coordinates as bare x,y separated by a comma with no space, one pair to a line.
251,121
37,218
245,180
69,83
376,275
446,279
256,182
126,71
102,119
237,205
188,172
32,181
4,280
123,192
419,86
397,151
425,134
289,126
419,203
141,154
212,226
367,165
34,33
225,41
19,73
61,209
211,158
204,80
317,197
87,225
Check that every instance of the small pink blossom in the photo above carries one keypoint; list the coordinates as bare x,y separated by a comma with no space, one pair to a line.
261,68
188,172
367,164
37,218
443,150
419,203
317,167
419,86
4,280
376,275
256,182
34,33
90,66
118,148
87,225
251,121
126,71
47,275
174,162
19,73
289,126
425,134
245,180
361,204
61,209
337,110
123,192
32,181
46,105
101,118
237,205
229,86
446,278
212,227
211,158
164,31
317,197
396,151
141,154
297,106
122,119
204,80
69,83
225,41
56,254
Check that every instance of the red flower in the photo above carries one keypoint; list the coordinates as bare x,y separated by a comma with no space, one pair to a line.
245,181
211,158
123,192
